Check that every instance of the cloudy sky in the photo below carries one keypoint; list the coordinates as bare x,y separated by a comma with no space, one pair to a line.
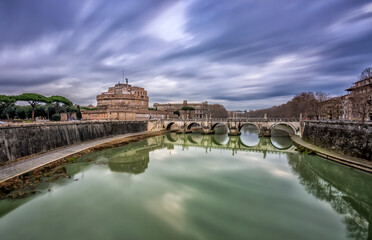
244,54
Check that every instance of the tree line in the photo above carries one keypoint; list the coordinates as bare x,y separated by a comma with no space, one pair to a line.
38,106
318,105
309,104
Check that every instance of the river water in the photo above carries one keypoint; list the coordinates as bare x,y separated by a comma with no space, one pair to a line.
197,187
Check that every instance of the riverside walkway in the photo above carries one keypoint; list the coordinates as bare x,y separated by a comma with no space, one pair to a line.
23,166
358,163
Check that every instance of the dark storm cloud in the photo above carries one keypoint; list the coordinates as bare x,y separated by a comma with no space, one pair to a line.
23,21
252,32
244,54
20,81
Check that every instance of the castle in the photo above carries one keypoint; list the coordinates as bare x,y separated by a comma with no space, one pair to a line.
121,102
126,102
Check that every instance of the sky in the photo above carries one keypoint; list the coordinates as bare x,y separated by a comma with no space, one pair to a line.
243,54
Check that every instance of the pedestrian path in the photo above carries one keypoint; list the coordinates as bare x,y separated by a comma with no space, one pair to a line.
343,159
20,167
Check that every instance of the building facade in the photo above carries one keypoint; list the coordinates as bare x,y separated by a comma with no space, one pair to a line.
192,110
359,100
332,108
354,106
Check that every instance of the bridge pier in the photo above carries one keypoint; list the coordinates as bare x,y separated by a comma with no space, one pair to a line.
234,132
265,132
207,131
182,131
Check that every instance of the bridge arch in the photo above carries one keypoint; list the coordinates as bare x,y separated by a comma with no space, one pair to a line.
170,125
249,124
214,125
292,129
193,124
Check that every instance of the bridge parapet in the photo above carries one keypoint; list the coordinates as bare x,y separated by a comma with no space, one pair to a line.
234,125
236,120
264,119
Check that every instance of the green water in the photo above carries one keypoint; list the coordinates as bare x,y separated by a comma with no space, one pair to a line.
197,187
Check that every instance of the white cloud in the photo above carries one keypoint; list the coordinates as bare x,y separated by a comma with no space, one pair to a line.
170,208
170,24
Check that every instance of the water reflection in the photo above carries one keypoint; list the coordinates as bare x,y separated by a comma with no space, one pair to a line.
172,137
134,158
281,142
348,191
326,180
233,143
168,184
220,139
195,137
281,130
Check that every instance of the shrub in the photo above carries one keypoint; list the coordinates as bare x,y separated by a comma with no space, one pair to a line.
187,108
78,115
23,112
89,109
56,117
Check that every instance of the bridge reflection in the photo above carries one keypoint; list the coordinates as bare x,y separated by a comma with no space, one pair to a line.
134,158
248,141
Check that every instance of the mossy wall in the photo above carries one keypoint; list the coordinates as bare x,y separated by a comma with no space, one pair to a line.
24,140
346,138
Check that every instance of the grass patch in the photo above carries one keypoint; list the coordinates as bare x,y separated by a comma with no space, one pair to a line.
302,149
89,109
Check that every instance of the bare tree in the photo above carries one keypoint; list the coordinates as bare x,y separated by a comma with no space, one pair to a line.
217,111
321,96
366,73
320,106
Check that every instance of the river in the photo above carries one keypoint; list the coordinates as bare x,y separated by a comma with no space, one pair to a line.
196,186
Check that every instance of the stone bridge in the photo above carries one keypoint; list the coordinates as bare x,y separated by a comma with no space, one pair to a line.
207,126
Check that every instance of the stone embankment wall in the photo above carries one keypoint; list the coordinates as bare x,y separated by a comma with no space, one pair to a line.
346,138
23,140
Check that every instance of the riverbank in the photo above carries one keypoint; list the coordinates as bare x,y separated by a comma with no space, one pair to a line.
29,171
354,162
